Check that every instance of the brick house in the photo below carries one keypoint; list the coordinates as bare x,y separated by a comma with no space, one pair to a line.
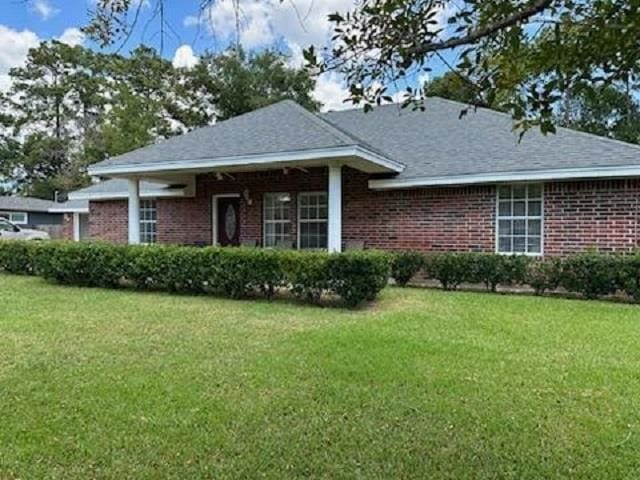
391,179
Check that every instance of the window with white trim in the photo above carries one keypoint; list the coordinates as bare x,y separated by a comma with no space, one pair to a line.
519,219
17,218
277,220
313,218
148,221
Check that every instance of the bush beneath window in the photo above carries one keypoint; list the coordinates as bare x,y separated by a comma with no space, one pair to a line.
230,272
405,266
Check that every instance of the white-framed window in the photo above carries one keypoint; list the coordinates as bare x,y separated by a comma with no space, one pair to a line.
148,221
277,220
313,220
17,218
520,222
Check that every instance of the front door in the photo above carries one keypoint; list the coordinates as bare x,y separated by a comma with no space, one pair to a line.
228,222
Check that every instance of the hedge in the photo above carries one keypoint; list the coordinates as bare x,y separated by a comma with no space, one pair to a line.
230,272
354,276
590,275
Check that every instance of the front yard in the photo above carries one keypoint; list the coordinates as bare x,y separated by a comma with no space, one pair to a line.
425,384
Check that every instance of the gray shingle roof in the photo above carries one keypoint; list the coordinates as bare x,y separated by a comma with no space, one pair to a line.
25,204
437,142
283,127
433,143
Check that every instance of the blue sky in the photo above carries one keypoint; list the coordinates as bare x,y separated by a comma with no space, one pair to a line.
264,23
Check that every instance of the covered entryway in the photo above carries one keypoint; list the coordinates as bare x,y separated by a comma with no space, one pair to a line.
226,220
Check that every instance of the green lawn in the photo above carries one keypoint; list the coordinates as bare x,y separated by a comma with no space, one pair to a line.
425,384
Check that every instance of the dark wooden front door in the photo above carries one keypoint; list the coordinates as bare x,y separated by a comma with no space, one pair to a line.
228,222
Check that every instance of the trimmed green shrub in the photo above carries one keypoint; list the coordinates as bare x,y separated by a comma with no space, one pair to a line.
18,257
85,264
307,274
405,266
629,277
591,275
231,272
544,275
494,270
450,269
358,276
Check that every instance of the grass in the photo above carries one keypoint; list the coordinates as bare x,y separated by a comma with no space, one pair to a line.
425,384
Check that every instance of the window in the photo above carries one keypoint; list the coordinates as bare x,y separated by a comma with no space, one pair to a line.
313,220
277,220
520,219
19,218
148,221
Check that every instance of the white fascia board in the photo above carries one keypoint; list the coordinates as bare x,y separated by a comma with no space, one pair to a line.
125,195
260,159
504,177
68,210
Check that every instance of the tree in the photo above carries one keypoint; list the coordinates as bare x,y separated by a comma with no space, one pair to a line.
610,111
527,53
235,83
69,107
453,87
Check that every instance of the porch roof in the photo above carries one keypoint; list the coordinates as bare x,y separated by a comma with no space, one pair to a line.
279,135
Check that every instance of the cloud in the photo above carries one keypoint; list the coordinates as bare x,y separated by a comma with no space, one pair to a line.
184,57
331,92
72,36
14,46
44,9
263,22
219,19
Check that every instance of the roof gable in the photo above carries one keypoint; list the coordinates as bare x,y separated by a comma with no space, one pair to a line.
282,127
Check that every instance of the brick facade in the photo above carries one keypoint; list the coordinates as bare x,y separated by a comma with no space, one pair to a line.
578,215
108,221
588,215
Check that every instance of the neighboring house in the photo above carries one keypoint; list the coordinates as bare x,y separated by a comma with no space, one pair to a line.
28,212
55,218
390,179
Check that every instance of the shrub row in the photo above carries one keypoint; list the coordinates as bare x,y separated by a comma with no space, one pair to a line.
591,275
231,272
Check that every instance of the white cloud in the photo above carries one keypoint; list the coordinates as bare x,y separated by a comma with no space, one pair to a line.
44,9
14,46
220,21
184,57
331,92
72,36
263,22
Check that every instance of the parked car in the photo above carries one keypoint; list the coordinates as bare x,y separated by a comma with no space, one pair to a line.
9,231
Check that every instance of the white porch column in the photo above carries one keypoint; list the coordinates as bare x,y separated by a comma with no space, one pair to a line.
134,211
76,226
335,208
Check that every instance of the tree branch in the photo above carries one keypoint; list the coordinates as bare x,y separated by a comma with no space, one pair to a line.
534,8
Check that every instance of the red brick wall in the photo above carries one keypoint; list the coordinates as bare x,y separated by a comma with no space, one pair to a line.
578,215
596,214
440,219
108,221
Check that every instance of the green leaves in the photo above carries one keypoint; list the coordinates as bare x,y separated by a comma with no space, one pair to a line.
231,272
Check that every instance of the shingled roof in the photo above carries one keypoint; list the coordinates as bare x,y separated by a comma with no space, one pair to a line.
433,144
25,204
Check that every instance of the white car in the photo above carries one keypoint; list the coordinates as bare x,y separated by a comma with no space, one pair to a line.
9,231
